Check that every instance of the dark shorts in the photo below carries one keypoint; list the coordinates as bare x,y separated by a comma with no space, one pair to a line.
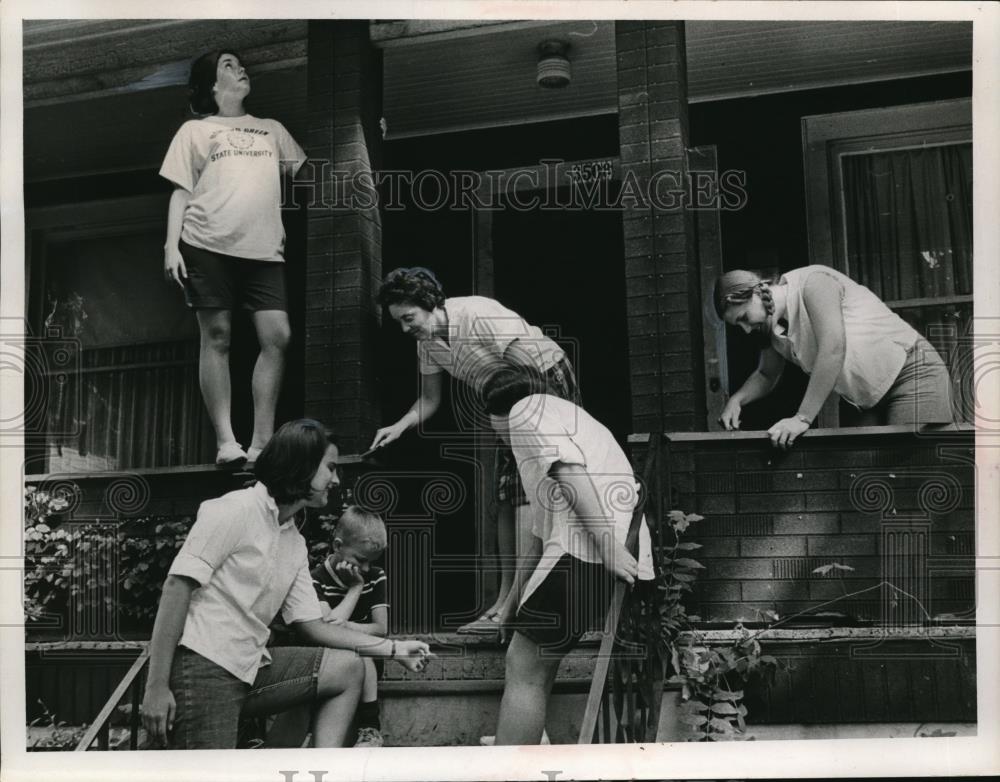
225,282
573,598
211,701
561,382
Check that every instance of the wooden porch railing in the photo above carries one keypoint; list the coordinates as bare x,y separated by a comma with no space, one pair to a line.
132,685
624,701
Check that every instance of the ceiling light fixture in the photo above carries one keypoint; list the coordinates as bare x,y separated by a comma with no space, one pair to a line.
553,64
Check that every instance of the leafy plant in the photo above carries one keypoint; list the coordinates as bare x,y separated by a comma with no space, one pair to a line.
78,567
713,709
55,735
46,554
145,561
709,676
87,567
321,538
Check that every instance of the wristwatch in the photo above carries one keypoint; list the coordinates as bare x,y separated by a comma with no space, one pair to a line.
804,418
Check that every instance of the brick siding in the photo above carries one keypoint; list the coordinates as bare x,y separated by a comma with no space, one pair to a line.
892,507
664,321
344,258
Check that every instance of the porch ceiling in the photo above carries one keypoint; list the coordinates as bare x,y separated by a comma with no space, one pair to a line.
442,77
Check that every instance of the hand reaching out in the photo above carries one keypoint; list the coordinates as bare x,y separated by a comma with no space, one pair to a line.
730,416
386,435
412,655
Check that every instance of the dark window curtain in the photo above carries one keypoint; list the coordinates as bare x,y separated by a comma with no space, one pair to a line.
908,230
130,406
908,221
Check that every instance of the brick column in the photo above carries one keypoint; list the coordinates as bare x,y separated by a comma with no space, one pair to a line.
344,263
661,265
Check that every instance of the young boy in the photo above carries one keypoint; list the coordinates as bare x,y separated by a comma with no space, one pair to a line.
582,493
352,593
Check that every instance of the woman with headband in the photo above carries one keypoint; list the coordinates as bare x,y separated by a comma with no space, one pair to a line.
469,337
844,337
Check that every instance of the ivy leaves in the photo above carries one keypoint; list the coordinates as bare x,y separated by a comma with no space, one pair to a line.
94,566
108,566
711,709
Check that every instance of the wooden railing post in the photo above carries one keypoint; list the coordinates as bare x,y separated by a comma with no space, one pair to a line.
100,728
599,704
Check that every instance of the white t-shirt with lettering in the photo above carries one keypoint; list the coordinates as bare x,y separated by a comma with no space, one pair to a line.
232,167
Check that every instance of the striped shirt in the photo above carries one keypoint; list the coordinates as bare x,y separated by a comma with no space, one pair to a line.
332,591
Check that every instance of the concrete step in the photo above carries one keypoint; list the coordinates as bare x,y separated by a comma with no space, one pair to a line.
457,698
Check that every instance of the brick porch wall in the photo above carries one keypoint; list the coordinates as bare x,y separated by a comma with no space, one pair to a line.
661,267
890,505
344,263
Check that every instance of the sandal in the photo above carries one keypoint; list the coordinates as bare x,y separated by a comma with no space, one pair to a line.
487,624
230,455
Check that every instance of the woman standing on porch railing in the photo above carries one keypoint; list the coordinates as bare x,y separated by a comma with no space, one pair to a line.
844,337
225,240
469,337
243,561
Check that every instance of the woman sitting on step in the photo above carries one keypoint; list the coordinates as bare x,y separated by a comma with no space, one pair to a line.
242,562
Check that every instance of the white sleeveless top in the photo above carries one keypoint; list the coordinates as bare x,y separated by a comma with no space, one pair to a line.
876,339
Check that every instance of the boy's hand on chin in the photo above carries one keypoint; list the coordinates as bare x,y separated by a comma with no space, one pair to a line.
349,573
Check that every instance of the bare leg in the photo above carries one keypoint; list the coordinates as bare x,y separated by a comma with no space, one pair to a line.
273,334
337,691
507,549
369,690
213,371
529,680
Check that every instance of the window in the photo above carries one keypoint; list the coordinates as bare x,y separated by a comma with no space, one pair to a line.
890,204
131,398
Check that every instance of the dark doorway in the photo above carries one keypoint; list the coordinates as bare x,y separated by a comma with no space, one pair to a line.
563,271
